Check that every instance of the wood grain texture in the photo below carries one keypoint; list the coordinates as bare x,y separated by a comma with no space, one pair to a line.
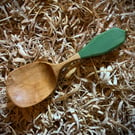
32,83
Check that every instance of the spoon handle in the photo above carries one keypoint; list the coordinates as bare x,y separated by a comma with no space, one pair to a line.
99,45
103,43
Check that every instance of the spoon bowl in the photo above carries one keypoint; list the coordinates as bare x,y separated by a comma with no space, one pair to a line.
32,83
27,87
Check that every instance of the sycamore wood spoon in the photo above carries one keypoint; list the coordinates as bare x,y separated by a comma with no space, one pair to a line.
32,83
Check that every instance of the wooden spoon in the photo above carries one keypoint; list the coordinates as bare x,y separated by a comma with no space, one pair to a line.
32,83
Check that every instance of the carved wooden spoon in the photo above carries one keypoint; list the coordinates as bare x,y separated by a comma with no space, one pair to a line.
32,83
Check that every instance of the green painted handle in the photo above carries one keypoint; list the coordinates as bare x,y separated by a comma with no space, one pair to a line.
103,43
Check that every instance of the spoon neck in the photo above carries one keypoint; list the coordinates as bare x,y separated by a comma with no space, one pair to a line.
57,67
74,57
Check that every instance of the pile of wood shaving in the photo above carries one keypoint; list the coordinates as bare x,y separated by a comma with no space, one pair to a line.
94,96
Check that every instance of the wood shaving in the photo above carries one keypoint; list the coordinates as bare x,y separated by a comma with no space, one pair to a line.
94,96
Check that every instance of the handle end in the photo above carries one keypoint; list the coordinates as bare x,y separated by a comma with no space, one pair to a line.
103,43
